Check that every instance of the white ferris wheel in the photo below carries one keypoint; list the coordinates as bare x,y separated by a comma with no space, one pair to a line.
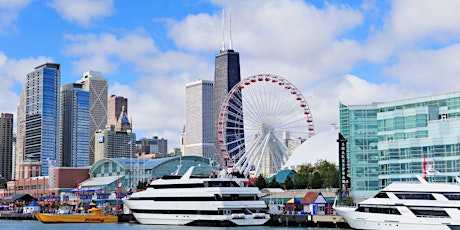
263,119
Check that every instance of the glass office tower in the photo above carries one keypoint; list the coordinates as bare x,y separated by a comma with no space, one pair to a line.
42,116
74,143
396,141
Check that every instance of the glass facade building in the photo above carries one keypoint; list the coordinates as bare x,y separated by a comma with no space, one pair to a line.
74,145
396,141
41,142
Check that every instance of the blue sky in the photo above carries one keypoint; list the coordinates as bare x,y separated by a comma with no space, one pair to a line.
355,52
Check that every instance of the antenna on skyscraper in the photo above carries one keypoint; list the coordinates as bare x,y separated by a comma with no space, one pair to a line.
231,41
223,36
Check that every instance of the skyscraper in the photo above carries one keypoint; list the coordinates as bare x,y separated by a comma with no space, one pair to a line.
198,140
74,144
20,135
41,141
227,75
114,108
97,86
6,145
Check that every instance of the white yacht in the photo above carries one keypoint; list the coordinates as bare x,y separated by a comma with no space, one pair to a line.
408,205
199,198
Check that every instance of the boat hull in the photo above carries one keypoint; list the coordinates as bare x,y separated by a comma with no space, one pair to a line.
359,220
199,220
57,218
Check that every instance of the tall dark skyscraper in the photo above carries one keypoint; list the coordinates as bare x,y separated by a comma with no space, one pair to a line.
6,145
227,74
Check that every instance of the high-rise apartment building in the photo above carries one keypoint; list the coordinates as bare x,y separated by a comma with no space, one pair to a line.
199,139
6,145
115,104
227,75
20,135
396,141
97,86
41,142
74,144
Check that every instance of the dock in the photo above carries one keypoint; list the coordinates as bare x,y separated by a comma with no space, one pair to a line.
307,220
17,216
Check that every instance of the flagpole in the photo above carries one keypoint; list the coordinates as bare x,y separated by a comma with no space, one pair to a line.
116,193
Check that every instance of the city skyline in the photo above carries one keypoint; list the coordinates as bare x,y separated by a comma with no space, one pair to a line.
355,52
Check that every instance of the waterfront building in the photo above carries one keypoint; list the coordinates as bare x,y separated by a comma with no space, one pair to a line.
6,145
226,75
199,139
115,106
74,144
114,144
129,172
396,141
97,86
41,141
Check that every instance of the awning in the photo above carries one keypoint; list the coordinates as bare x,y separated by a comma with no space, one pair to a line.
86,190
293,200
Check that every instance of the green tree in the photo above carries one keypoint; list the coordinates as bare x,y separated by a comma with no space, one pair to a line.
329,174
315,180
301,177
289,183
261,183
273,183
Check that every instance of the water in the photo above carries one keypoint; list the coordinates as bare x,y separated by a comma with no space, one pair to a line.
37,225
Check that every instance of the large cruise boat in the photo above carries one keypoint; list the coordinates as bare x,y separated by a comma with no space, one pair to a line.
408,205
199,198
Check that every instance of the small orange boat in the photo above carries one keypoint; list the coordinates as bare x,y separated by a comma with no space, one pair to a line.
96,215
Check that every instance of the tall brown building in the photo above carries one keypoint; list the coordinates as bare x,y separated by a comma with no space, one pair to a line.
115,105
6,145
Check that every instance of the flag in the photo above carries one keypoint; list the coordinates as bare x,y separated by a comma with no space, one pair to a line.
129,142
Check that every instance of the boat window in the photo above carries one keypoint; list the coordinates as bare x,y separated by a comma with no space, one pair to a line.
167,186
415,196
428,212
381,210
452,196
381,195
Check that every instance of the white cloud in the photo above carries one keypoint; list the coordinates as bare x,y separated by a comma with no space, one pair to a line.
430,71
83,12
197,32
9,12
414,23
105,52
